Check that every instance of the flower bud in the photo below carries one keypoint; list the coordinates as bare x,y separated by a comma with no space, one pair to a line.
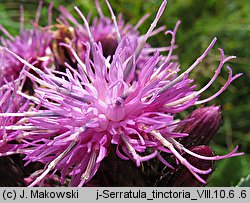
204,123
182,177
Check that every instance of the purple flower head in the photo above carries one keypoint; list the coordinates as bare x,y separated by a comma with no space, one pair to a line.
80,114
31,45
108,32
103,30
11,104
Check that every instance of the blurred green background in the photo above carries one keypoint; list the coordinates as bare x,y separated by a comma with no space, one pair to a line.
228,20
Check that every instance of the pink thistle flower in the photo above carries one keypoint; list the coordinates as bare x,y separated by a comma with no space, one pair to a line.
108,32
31,45
78,117
11,104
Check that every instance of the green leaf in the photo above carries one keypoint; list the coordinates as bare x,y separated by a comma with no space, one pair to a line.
228,171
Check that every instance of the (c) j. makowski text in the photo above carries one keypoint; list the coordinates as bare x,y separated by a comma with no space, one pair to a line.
45,194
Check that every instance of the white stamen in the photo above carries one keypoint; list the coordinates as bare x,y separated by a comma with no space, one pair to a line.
131,149
150,30
118,35
19,127
182,100
31,98
90,166
19,151
53,164
92,41
82,65
29,114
